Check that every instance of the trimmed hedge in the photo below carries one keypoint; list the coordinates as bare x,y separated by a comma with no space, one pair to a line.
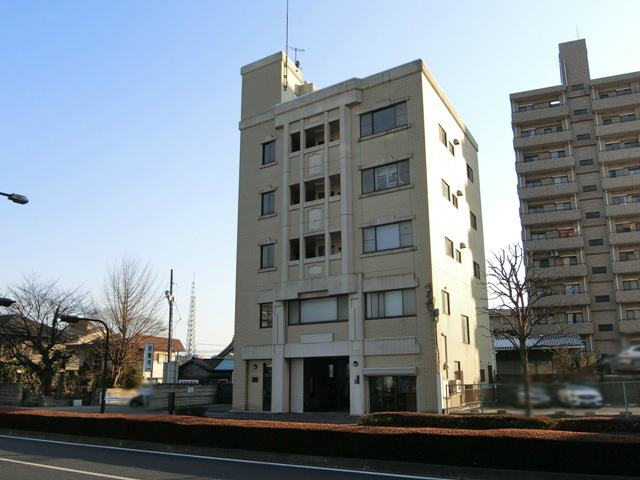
517,449
490,422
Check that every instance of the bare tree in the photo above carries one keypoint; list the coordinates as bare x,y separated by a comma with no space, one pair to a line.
518,292
34,338
130,305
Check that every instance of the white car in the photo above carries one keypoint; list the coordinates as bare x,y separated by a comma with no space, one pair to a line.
627,360
539,397
580,396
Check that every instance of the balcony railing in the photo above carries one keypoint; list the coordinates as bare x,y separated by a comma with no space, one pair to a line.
529,133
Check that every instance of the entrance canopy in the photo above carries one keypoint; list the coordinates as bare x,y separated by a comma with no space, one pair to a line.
502,343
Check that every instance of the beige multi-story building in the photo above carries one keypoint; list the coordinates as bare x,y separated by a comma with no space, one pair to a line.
578,165
360,245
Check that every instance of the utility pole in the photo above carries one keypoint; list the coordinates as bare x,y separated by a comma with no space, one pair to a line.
170,298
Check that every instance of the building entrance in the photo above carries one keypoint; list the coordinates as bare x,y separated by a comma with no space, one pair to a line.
326,384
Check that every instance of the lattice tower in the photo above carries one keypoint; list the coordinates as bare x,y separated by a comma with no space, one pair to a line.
191,326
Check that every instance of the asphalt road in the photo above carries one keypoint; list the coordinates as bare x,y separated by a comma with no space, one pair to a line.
27,459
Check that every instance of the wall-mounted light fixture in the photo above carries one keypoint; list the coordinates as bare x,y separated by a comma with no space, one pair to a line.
255,366
462,245
456,141
355,363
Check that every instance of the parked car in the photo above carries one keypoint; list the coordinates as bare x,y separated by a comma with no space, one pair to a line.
580,396
539,397
627,360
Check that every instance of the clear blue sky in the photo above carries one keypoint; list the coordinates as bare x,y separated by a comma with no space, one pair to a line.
119,119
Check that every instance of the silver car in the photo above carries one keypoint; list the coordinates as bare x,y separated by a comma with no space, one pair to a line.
580,396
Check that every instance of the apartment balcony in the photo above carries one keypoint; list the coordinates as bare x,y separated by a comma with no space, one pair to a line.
550,217
629,326
619,155
543,113
556,243
622,210
563,300
583,328
563,271
539,140
546,164
628,266
624,238
618,128
548,191
627,296
617,102
621,183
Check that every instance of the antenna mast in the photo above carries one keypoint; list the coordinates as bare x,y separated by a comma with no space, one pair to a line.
191,326
286,52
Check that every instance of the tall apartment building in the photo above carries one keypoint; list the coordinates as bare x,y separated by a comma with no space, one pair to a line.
578,165
360,245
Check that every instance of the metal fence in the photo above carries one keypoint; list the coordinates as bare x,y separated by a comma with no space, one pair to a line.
550,399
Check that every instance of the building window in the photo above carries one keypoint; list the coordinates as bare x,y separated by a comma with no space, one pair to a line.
574,317
392,394
470,172
586,162
592,215
458,256
466,334
268,152
630,284
621,200
446,190
535,209
597,270
589,188
538,235
446,306
385,176
267,255
528,133
442,135
319,310
602,298
580,111
577,87
454,201
571,288
563,206
605,327
633,314
560,180
448,247
482,375
557,154
531,158
596,242
266,315
474,220
383,119
387,237
627,256
393,303
583,136
452,150
476,270
268,203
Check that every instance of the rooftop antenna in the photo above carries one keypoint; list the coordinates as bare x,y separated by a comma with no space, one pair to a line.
296,50
577,33
286,52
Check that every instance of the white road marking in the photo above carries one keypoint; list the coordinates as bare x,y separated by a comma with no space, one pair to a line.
72,470
221,459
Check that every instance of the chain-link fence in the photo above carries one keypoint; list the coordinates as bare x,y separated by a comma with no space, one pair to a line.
559,399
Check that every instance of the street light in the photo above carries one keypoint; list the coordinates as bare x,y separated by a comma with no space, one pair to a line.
72,319
16,198
6,302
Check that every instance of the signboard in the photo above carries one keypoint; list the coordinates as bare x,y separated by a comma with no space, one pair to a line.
148,357
188,382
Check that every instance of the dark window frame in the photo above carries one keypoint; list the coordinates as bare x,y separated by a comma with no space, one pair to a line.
266,315
267,255
269,152
369,176
368,120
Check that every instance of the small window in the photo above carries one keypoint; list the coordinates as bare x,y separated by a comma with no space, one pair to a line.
446,190
442,135
589,188
466,334
267,255
448,247
580,111
476,270
577,87
266,315
592,215
314,136
526,159
596,242
294,194
334,130
538,235
583,136
268,203
605,327
384,119
630,284
558,154
268,152
454,200
525,108
528,133
452,150
470,172
586,162
446,306
295,142
554,103
602,298
474,221
458,256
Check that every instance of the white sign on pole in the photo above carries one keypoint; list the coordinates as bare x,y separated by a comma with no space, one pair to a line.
148,357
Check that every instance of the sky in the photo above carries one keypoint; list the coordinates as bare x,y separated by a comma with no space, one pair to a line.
119,119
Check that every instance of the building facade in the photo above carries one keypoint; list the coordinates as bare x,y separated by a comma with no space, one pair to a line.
360,245
578,165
